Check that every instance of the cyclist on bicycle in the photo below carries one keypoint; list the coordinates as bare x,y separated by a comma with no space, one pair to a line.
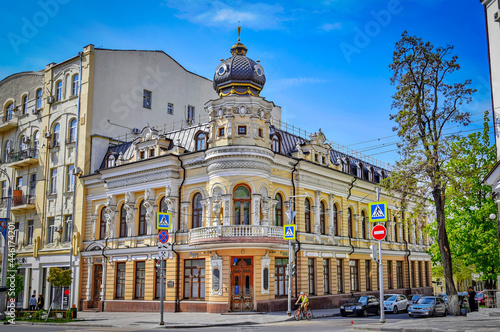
305,301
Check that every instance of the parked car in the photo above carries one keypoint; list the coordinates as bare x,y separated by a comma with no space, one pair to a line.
429,306
413,298
361,306
480,298
443,296
395,303
463,300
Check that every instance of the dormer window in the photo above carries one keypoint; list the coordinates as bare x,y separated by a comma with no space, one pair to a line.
151,152
346,167
222,132
371,174
242,130
111,161
316,157
200,141
261,132
360,171
276,143
324,160
142,155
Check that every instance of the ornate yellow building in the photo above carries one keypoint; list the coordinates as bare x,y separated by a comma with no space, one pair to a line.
228,184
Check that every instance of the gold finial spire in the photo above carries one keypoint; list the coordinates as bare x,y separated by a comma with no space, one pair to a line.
239,30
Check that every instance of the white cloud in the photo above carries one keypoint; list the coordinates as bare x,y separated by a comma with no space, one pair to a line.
331,26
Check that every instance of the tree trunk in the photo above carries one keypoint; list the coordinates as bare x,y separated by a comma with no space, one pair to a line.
444,249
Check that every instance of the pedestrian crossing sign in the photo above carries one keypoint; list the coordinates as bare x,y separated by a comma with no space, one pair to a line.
378,211
163,220
289,232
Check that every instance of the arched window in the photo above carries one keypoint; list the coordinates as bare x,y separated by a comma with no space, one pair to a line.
55,135
123,222
396,230
102,233
75,84
38,99
111,161
278,211
25,104
6,152
241,203
364,225
360,170
23,144
72,131
346,167
59,91
307,215
322,214
371,173
201,142
276,141
142,220
336,219
9,114
350,224
163,205
197,211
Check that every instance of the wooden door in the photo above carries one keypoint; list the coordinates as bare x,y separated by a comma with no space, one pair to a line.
242,284
96,285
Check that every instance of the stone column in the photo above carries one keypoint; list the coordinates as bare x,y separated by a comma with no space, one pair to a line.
227,209
331,225
185,217
316,212
90,264
204,207
93,220
256,210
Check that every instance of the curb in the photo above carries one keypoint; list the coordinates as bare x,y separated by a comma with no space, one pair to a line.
60,324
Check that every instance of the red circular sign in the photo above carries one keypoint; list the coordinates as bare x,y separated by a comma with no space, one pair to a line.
163,236
379,232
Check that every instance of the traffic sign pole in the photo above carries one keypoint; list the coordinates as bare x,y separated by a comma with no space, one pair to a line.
162,291
381,282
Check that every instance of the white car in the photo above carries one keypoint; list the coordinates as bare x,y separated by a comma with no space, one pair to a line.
395,303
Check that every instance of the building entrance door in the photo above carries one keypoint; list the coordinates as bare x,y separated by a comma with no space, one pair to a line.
241,284
96,286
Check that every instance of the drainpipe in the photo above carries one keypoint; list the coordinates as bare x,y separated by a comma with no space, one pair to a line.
298,248
72,226
407,256
177,300
350,236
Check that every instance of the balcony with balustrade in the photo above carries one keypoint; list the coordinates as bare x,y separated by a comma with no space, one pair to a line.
236,234
8,121
22,158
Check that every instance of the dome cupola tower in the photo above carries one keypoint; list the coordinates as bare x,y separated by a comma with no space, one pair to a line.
239,75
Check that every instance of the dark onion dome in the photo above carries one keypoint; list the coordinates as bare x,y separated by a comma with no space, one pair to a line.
239,75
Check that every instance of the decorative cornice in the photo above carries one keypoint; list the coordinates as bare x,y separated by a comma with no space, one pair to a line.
145,177
239,164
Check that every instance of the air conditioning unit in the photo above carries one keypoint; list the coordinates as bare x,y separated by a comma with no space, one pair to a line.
47,134
136,131
77,171
58,229
34,111
189,121
50,100
352,263
26,140
496,16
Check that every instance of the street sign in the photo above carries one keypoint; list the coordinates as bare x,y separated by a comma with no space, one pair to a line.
163,250
163,236
378,211
379,232
289,232
163,220
290,215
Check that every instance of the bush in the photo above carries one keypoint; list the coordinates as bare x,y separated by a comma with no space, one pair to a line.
37,315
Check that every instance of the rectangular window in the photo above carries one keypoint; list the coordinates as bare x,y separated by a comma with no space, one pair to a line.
53,180
158,280
25,104
280,278
142,154
194,279
140,279
389,274
70,178
368,274
151,152
33,184
59,91
68,221
399,274
190,114
340,276
38,99
354,270
420,280
50,230
222,132
326,276
75,85
242,130
19,183
31,228
120,280
311,276
170,109
261,132
146,99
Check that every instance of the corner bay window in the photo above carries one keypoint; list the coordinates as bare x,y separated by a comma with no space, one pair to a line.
194,279
241,205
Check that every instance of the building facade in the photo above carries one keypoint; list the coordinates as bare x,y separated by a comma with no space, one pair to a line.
55,121
228,183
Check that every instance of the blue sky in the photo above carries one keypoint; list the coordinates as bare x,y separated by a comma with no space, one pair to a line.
326,61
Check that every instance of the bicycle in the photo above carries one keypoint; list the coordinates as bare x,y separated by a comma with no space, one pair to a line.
299,314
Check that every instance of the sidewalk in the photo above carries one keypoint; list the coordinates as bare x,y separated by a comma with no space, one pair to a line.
150,320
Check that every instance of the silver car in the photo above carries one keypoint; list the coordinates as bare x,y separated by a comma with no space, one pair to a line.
428,306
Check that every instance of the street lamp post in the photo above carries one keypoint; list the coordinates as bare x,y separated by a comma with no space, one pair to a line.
5,247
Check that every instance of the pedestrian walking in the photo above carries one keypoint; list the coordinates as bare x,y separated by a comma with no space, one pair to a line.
32,302
472,299
41,302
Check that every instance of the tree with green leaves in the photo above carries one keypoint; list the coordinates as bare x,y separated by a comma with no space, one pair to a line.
472,233
427,103
59,278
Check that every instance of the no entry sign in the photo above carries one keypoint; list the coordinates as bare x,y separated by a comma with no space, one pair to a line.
379,232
